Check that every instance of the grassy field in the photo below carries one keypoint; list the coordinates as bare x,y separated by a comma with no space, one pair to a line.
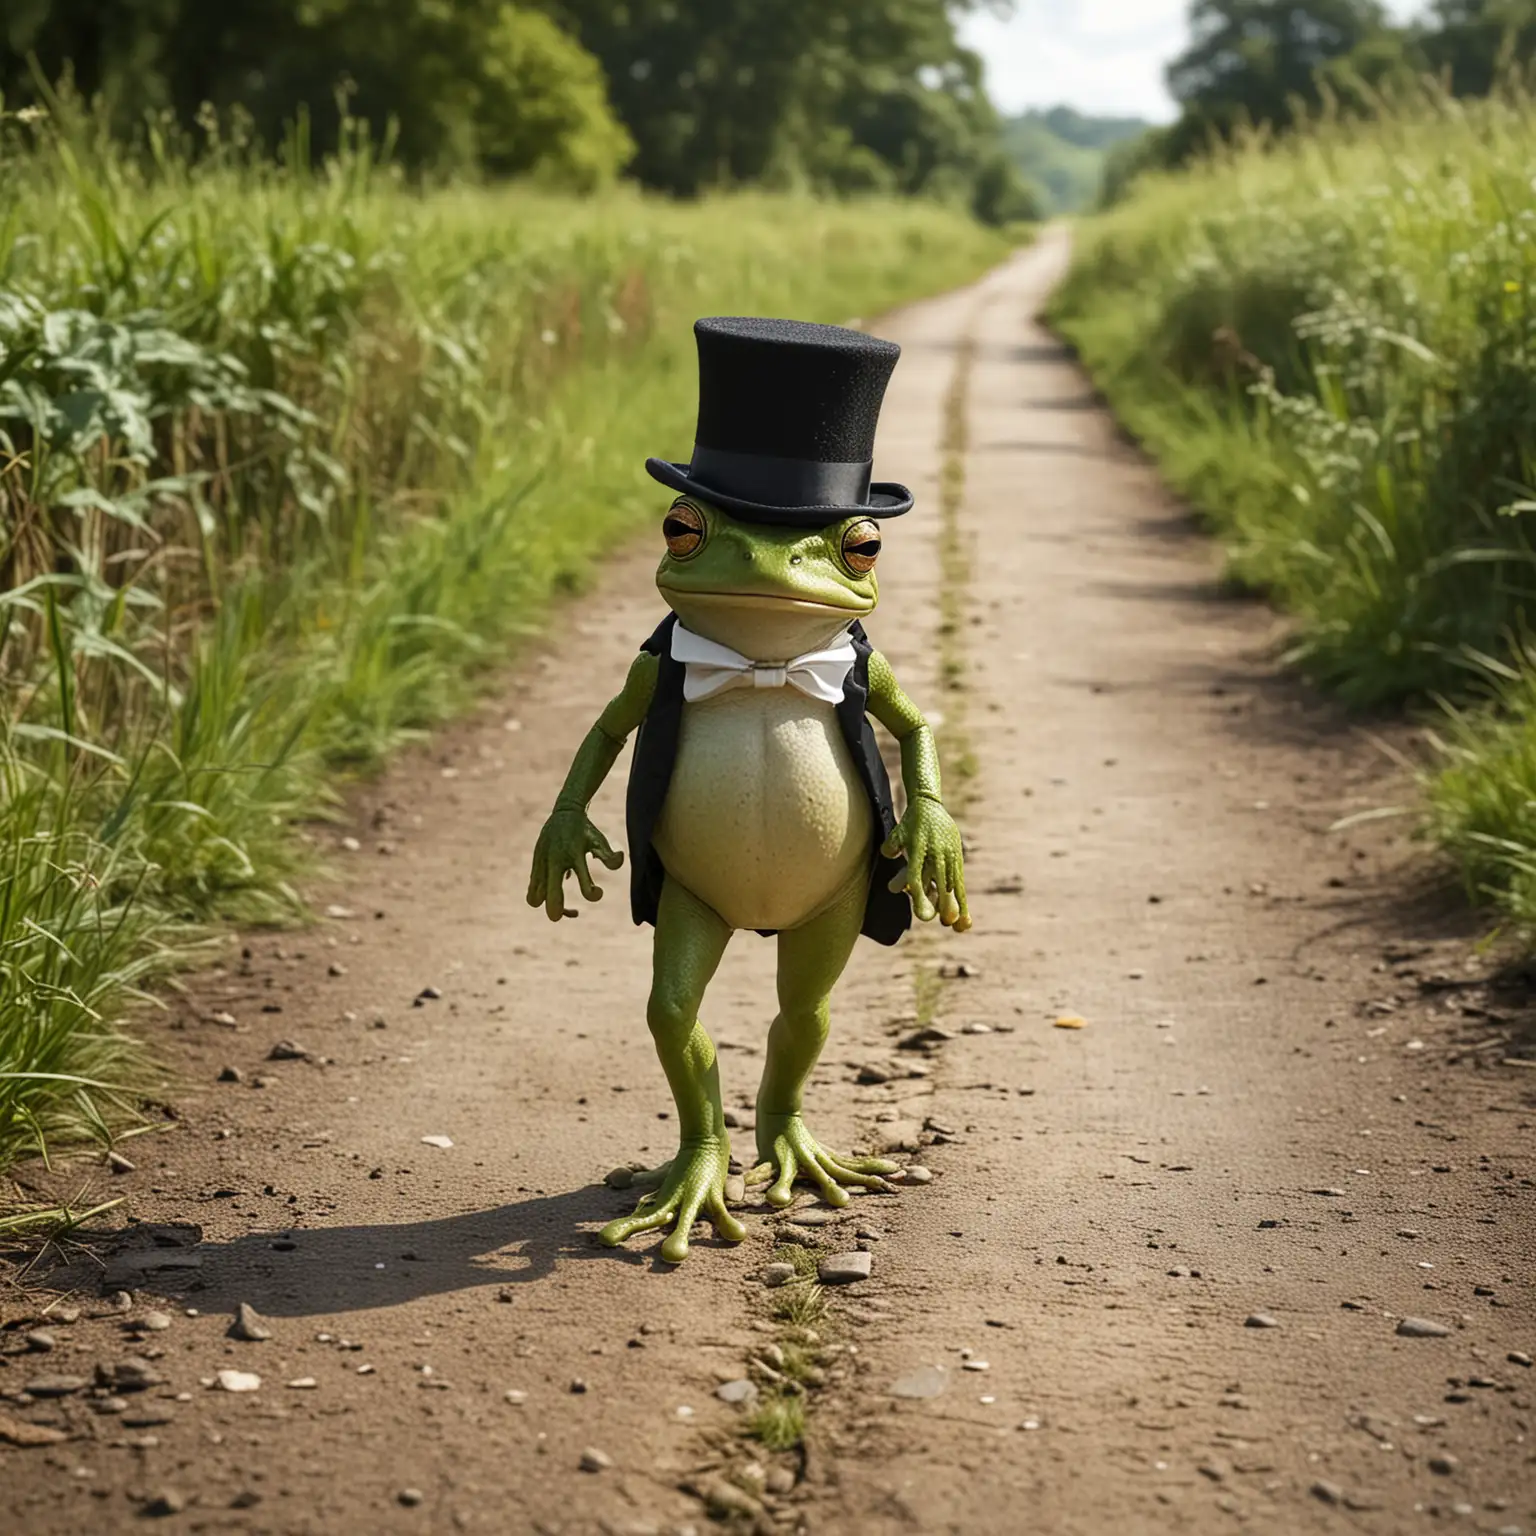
287,457
1330,346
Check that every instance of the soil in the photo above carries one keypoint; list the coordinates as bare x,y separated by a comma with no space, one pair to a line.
1160,1272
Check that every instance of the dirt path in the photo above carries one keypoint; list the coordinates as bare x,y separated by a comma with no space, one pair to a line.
1245,1126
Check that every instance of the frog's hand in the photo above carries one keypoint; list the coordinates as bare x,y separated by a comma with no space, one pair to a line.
565,844
934,876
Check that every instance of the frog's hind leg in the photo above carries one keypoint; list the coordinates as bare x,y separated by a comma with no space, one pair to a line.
811,958
690,939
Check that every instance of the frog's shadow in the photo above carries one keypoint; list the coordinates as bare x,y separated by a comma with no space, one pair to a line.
330,1270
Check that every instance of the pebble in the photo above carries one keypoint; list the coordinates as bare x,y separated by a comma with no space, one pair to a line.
1443,1463
1329,1493
735,1189
1421,1328
593,1460
410,1497
249,1325
56,1386
619,1178
150,1416
303,1384
40,1341
870,1234
976,1027
515,1397
120,1164
231,1075
153,1322
238,1381
778,1274
441,1142
1260,1320
914,1173
287,1050
926,1382
844,1268
1071,1021
815,1216
975,1365
1519,1357
739,1391
780,1480
167,1502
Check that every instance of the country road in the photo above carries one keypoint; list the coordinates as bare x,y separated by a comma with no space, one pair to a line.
1159,1278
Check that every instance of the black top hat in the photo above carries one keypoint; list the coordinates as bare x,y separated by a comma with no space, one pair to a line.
787,416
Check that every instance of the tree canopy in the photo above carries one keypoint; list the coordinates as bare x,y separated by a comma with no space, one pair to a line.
836,95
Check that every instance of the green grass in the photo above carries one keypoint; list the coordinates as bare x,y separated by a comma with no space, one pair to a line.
778,1421
289,456
1330,347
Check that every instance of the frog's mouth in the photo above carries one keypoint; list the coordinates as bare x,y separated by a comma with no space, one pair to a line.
762,600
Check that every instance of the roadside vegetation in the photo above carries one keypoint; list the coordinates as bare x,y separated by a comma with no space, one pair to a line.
289,452
1329,343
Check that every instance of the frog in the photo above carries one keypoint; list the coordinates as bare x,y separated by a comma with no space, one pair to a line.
769,813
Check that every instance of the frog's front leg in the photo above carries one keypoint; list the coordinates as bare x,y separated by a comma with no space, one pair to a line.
690,939
811,958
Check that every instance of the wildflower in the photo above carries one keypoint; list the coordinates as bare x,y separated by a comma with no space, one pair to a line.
31,114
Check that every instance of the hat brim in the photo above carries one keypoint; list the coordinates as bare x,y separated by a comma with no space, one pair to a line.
886,499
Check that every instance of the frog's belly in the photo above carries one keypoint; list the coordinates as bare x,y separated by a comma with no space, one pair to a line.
766,818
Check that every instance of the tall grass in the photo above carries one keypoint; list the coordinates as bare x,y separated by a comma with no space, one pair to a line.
1330,345
287,455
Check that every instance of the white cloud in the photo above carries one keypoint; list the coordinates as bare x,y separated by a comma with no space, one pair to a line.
1101,56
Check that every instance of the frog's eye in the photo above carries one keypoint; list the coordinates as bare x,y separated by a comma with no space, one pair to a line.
683,529
861,547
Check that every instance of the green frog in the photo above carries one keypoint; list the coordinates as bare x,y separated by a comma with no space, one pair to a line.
758,802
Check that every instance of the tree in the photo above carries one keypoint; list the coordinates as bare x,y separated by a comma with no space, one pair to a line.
480,83
1252,61
1475,41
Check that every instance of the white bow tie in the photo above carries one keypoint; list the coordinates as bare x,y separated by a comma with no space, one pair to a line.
712,668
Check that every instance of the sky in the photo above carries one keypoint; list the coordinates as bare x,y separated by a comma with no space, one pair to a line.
1100,56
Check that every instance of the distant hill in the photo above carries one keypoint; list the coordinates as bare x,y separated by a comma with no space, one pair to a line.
1062,152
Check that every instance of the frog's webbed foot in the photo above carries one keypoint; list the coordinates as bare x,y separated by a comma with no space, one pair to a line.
788,1151
691,1185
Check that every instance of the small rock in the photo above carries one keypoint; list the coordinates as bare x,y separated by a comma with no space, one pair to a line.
1216,1469
410,1497
167,1502
593,1460
148,1416
120,1164
336,968
238,1381
1519,1357
249,1325
778,1274
869,1234
976,1027
1071,1021
287,1050
516,1398
443,1143
152,1322
128,1375
913,1173
926,1382
578,1386
1329,1493
302,1384
929,1038
780,1480
873,1073
619,1178
815,1216
975,1365
1421,1328
56,1386
110,1405
20,1432
224,1020
426,995
844,1268
739,1391
231,1075
1443,1463
40,1341
1260,1320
